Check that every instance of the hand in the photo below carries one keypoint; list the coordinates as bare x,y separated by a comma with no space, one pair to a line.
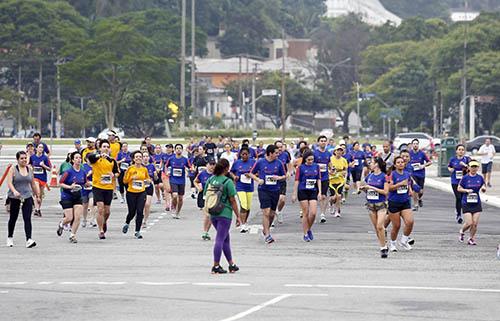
276,177
261,181
470,191
294,197
238,221
463,164
236,178
483,189
321,197
73,186
16,194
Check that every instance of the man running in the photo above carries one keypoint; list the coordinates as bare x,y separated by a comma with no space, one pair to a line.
387,155
418,161
285,157
37,140
211,147
322,158
175,179
487,152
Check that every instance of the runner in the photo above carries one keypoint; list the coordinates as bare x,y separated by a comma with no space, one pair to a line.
418,161
228,154
358,160
37,140
470,186
399,204
387,156
123,160
40,164
159,161
306,188
222,220
348,157
337,177
246,143
458,167
30,150
487,152
114,144
149,145
240,173
376,189
175,180
211,147
90,147
369,155
322,158
104,170
135,177
285,157
220,146
269,172
154,176
200,182
260,151
78,145
22,188
72,182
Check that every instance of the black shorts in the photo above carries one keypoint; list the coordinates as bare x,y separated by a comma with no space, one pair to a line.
324,187
283,187
200,201
102,195
307,195
157,181
486,168
356,175
420,181
178,188
472,208
69,203
336,189
150,190
396,207
268,199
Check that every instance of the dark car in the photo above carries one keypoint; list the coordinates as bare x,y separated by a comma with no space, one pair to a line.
474,144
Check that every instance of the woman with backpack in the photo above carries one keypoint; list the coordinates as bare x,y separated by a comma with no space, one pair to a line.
220,202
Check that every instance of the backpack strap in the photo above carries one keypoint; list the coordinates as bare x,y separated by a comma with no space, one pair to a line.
388,156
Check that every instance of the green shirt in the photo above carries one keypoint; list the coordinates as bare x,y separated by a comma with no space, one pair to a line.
228,191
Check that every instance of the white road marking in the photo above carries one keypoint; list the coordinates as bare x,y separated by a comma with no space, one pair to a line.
92,283
156,221
162,283
390,287
221,284
4,292
257,307
45,283
292,294
13,283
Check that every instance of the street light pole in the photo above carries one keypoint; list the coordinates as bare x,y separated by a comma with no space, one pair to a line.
461,114
283,89
254,109
193,54
183,65
357,109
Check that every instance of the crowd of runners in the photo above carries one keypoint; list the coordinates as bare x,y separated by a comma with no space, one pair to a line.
224,173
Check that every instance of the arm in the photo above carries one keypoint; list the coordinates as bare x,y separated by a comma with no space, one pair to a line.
10,182
463,190
295,188
116,171
127,177
235,208
197,183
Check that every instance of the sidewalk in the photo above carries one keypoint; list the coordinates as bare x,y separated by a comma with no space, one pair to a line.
491,198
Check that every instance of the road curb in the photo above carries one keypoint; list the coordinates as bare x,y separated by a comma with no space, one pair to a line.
446,187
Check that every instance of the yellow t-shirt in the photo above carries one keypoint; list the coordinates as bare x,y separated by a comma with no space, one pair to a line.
85,152
114,149
337,169
136,184
103,173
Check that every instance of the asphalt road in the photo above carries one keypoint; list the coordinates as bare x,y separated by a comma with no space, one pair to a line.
338,276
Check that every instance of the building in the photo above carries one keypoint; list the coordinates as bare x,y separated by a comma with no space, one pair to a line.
371,11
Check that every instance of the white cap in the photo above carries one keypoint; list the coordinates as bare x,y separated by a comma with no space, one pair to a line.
91,139
72,150
341,142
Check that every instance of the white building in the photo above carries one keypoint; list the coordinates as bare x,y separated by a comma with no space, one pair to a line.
371,11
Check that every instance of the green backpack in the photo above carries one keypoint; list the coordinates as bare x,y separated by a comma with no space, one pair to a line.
214,196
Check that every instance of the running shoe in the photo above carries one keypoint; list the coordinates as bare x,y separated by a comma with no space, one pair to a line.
102,236
193,196
125,229
272,224
306,238
384,253
37,213
458,218
355,193
122,201
415,208
205,237
138,235
471,241
280,217
233,268
461,236
310,234
72,239
392,247
404,245
343,200
489,185
322,218
60,229
411,241
244,228
30,243
167,209
218,270
10,242
337,214
84,223
269,239
300,213
177,216
420,203
115,197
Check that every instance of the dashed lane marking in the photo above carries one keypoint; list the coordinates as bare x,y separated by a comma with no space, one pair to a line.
390,287
257,307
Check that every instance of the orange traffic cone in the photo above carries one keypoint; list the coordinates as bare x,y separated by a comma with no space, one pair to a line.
53,179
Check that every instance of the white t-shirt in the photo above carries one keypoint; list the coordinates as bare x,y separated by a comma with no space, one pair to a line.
231,157
489,150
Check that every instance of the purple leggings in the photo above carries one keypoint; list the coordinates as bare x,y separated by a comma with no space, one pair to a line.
222,241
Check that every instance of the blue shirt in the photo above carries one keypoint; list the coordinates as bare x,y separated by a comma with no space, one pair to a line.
474,183
261,152
402,194
264,169
35,161
377,181
322,159
127,160
177,169
308,176
158,161
45,147
203,177
239,169
418,157
459,170
166,157
72,176
358,156
86,168
348,158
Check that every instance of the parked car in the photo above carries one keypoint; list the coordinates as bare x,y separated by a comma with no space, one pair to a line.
474,144
104,133
404,139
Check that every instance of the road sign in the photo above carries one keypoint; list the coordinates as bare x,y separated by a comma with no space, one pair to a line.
269,92
368,95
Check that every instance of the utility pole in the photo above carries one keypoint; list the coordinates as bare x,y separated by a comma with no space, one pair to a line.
19,101
58,105
81,108
440,104
254,109
357,109
283,89
193,55
39,113
461,114
472,118
183,66
241,104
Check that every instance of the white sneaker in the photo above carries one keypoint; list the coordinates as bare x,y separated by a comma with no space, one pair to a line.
392,247
280,217
332,210
300,213
243,228
337,214
10,242
404,245
67,227
343,200
30,243
322,218
84,223
122,201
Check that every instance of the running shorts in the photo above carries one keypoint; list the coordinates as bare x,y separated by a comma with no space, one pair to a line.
86,197
150,190
471,208
102,195
200,200
178,188
268,199
396,207
486,168
356,175
245,200
324,187
307,195
375,207
336,189
157,181
283,187
75,200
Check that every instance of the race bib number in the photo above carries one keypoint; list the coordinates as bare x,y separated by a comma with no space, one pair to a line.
177,172
158,166
310,183
221,150
137,185
89,187
210,151
124,166
37,170
270,180
372,195
459,174
356,162
202,168
106,179
77,188
416,166
323,168
472,198
402,189
245,180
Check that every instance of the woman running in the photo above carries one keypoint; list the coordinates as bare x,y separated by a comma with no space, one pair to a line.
337,172
22,188
240,172
470,186
376,189
40,164
153,174
123,160
72,182
222,220
135,178
87,196
458,167
358,159
306,188
200,183
158,159
400,204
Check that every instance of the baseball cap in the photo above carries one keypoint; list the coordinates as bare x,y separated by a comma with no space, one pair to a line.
77,141
91,139
72,150
474,163
338,147
111,133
